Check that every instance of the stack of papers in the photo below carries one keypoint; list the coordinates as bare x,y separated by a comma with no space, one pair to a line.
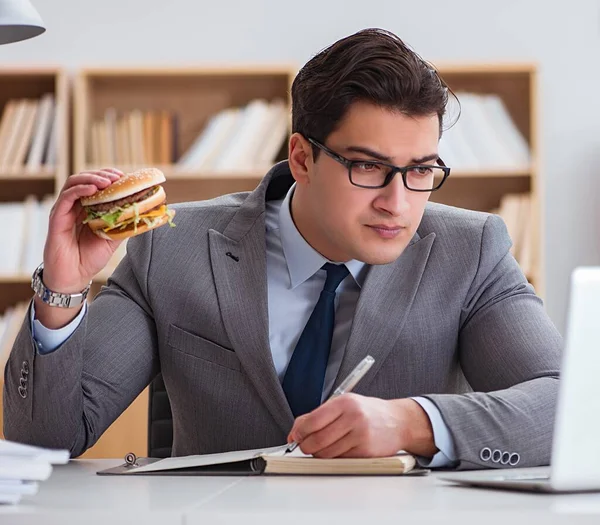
22,467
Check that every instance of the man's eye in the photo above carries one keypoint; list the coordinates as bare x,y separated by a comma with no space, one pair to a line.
367,166
423,170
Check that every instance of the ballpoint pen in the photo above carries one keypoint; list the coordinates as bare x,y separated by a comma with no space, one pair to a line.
346,386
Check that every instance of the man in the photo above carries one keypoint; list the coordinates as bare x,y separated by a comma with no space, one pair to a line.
258,305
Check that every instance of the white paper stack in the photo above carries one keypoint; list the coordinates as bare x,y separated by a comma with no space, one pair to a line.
23,467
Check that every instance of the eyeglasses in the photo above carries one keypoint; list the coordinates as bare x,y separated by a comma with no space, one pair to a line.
377,174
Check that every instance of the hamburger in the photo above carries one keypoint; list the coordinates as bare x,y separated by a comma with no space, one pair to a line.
130,206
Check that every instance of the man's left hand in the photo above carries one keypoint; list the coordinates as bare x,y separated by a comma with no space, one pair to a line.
356,426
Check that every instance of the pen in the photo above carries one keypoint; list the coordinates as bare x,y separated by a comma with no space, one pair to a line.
346,386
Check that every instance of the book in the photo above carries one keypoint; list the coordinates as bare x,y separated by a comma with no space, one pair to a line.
22,467
22,452
42,129
273,460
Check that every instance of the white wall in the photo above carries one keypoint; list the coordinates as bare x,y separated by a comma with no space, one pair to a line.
562,39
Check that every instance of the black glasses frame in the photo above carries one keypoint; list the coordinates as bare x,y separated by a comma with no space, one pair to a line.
403,170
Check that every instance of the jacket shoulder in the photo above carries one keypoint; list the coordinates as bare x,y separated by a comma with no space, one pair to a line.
451,221
464,233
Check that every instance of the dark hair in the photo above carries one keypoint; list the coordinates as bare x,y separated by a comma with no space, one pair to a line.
372,65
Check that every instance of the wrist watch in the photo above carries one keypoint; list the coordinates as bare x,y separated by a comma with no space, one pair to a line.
62,300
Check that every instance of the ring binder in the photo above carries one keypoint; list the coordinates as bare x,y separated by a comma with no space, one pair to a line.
131,460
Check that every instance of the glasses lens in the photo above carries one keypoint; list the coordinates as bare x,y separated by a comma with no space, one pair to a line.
369,174
375,175
424,178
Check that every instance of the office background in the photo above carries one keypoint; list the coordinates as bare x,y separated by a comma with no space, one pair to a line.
561,38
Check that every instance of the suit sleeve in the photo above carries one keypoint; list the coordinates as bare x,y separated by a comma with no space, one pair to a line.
69,397
509,351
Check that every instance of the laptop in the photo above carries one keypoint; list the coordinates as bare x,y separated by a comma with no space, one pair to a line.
575,462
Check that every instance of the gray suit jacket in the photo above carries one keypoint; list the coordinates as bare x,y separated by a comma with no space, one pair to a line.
452,314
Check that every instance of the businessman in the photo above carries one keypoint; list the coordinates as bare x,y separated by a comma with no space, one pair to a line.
256,306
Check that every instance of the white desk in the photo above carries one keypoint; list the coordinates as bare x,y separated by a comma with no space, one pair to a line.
75,494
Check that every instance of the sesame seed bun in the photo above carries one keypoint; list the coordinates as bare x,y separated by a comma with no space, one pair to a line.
127,185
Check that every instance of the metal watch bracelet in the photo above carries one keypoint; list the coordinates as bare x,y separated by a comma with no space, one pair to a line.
60,300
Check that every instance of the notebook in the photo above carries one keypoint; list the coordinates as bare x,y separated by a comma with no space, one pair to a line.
272,460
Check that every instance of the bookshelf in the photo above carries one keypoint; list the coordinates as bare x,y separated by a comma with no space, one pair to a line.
18,181
486,188
195,94
20,178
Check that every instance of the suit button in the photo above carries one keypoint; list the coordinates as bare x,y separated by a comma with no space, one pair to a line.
485,454
505,458
514,459
22,392
496,456
23,383
25,368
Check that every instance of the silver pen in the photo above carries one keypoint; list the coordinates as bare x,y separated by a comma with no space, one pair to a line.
346,386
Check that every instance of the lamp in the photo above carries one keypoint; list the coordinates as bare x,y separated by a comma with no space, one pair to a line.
19,21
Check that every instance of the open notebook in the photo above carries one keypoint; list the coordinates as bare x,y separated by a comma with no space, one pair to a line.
273,460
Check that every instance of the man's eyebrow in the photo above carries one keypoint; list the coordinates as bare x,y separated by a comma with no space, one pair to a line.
426,158
380,156
369,152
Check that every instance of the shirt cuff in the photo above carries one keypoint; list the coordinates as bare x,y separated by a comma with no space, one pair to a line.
446,457
47,340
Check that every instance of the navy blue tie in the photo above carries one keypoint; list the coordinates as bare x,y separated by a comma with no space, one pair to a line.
305,375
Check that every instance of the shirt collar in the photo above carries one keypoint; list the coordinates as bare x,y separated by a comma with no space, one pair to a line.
303,261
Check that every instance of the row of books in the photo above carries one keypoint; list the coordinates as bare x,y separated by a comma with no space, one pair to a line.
133,137
484,137
23,243
28,135
515,210
23,467
247,138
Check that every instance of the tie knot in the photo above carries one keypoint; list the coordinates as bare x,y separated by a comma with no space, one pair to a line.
336,273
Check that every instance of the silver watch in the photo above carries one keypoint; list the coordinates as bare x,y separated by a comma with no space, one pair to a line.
62,300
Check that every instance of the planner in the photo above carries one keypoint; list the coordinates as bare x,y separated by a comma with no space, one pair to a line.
267,461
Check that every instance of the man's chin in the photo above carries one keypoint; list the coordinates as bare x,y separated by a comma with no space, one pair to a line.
380,256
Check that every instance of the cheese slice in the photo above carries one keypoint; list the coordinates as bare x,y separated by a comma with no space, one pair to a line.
158,212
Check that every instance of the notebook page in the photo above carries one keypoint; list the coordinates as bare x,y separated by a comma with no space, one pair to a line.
208,459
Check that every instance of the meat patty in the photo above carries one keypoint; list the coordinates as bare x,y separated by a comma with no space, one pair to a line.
140,195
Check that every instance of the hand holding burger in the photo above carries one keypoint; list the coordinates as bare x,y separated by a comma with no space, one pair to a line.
82,238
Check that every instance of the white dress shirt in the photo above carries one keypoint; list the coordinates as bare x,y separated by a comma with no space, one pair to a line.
294,282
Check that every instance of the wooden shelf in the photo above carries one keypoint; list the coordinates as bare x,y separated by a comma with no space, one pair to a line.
491,173
28,176
173,172
16,278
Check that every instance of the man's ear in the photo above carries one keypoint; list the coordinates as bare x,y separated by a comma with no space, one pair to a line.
300,158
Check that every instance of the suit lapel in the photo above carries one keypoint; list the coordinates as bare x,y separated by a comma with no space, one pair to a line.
238,259
383,305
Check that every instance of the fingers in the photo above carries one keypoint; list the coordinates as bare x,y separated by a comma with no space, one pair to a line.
314,421
331,440
68,202
100,178
346,447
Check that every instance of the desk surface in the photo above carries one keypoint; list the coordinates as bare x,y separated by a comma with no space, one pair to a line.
75,494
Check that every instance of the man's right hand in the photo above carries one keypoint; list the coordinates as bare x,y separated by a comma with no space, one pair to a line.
73,254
